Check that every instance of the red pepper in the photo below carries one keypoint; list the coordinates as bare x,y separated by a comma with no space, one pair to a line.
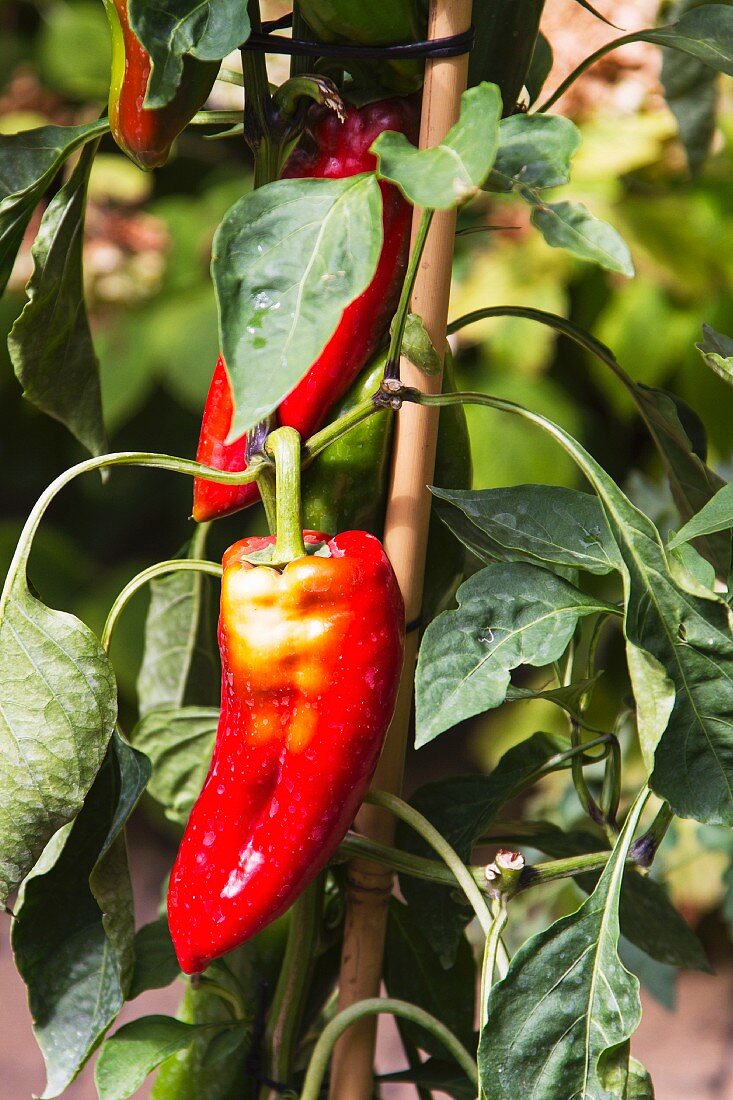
146,134
340,149
311,659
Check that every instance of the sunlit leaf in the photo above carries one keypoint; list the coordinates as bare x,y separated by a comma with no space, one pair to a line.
287,260
447,174
571,225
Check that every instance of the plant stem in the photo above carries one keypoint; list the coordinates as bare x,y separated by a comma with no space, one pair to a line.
627,39
286,1011
334,431
257,107
373,1006
160,569
491,950
438,843
430,870
208,985
392,366
299,64
284,446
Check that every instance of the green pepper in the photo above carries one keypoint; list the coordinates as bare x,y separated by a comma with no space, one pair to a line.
346,486
372,23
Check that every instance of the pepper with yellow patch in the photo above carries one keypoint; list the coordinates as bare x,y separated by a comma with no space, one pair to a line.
311,658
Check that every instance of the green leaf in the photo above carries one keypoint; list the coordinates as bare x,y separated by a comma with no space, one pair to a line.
413,973
705,33
462,808
287,261
179,743
507,615
51,344
691,91
687,630
568,697
73,933
169,29
30,160
179,663
571,226
535,151
450,173
135,1050
717,351
560,1021
716,515
434,1075
418,347
540,67
58,704
540,522
156,965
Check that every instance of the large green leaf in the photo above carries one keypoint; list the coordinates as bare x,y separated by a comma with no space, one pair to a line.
179,663
684,632
169,29
540,522
571,226
287,261
705,33
179,743
535,151
58,704
74,927
30,160
507,615
450,173
559,1023
51,344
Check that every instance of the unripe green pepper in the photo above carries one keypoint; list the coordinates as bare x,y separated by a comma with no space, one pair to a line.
145,134
372,23
346,486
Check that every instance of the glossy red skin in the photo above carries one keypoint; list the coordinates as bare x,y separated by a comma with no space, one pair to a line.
147,135
302,724
341,149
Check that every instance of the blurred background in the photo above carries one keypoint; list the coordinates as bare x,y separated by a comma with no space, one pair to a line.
153,315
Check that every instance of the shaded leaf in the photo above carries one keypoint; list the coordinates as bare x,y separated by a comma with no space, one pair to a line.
30,160
705,33
447,174
534,150
717,351
179,662
507,615
179,743
541,522
287,260
156,965
560,1021
73,936
540,67
462,809
58,704
413,973
437,1075
50,343
418,347
571,226
169,29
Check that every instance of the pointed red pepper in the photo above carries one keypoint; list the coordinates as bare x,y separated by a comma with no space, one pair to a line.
339,149
311,659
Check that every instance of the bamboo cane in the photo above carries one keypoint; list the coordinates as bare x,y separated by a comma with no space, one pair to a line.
405,539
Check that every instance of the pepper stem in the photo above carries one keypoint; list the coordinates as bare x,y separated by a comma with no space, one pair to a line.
284,447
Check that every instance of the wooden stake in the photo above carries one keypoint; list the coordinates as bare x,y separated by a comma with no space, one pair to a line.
405,540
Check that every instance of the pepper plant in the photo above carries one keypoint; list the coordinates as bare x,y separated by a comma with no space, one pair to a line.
315,277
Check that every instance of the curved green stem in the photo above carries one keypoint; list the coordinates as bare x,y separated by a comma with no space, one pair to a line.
122,458
627,39
438,843
355,846
160,569
291,993
216,118
208,985
338,428
491,951
284,446
373,1006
